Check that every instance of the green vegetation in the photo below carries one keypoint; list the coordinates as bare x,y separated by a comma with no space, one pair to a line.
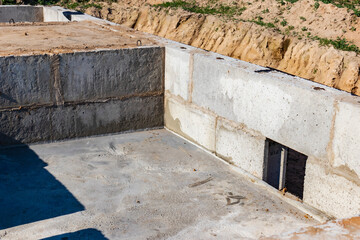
79,4
316,5
289,29
192,7
283,23
259,21
303,19
9,2
339,43
353,29
72,5
304,29
349,4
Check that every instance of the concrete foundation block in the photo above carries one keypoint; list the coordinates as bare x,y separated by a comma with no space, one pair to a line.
178,66
192,123
111,73
330,192
25,125
86,119
346,141
240,148
283,108
21,13
55,14
111,117
25,80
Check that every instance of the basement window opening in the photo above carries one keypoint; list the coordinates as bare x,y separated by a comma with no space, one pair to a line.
284,168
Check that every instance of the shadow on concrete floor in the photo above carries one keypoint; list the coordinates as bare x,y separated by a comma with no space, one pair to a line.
28,192
85,234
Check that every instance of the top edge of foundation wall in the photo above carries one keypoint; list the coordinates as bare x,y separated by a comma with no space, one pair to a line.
64,37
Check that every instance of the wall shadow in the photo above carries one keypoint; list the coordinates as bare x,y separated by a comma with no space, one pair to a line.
295,173
85,234
28,192
68,14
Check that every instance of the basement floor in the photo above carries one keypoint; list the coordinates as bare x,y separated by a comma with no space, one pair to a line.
140,185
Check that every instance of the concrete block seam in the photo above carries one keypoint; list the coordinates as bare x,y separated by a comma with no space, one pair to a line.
215,133
73,103
163,69
235,125
329,148
191,82
56,85
180,100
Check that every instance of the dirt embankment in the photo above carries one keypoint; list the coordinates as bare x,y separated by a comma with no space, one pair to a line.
287,47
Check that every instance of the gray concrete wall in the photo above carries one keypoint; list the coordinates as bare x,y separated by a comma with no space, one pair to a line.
230,107
21,13
80,94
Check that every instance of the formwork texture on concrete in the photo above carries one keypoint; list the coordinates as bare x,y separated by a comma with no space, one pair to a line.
21,14
141,185
67,95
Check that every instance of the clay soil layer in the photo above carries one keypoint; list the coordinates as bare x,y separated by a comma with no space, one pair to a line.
280,34
54,38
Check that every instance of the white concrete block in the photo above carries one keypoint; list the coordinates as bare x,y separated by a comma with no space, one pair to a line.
346,141
193,124
177,71
329,192
284,108
240,148
83,17
54,14
59,14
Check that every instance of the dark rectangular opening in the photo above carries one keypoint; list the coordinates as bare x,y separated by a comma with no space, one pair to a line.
295,173
284,168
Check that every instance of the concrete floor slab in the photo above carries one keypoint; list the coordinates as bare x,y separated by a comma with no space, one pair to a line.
141,185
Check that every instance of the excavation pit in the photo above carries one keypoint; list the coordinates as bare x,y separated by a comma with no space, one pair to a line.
105,131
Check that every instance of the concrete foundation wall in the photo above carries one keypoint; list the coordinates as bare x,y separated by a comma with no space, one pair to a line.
227,106
230,107
328,190
55,14
80,94
59,14
27,13
21,13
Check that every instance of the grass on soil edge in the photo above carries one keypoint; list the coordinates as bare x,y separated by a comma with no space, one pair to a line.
230,11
